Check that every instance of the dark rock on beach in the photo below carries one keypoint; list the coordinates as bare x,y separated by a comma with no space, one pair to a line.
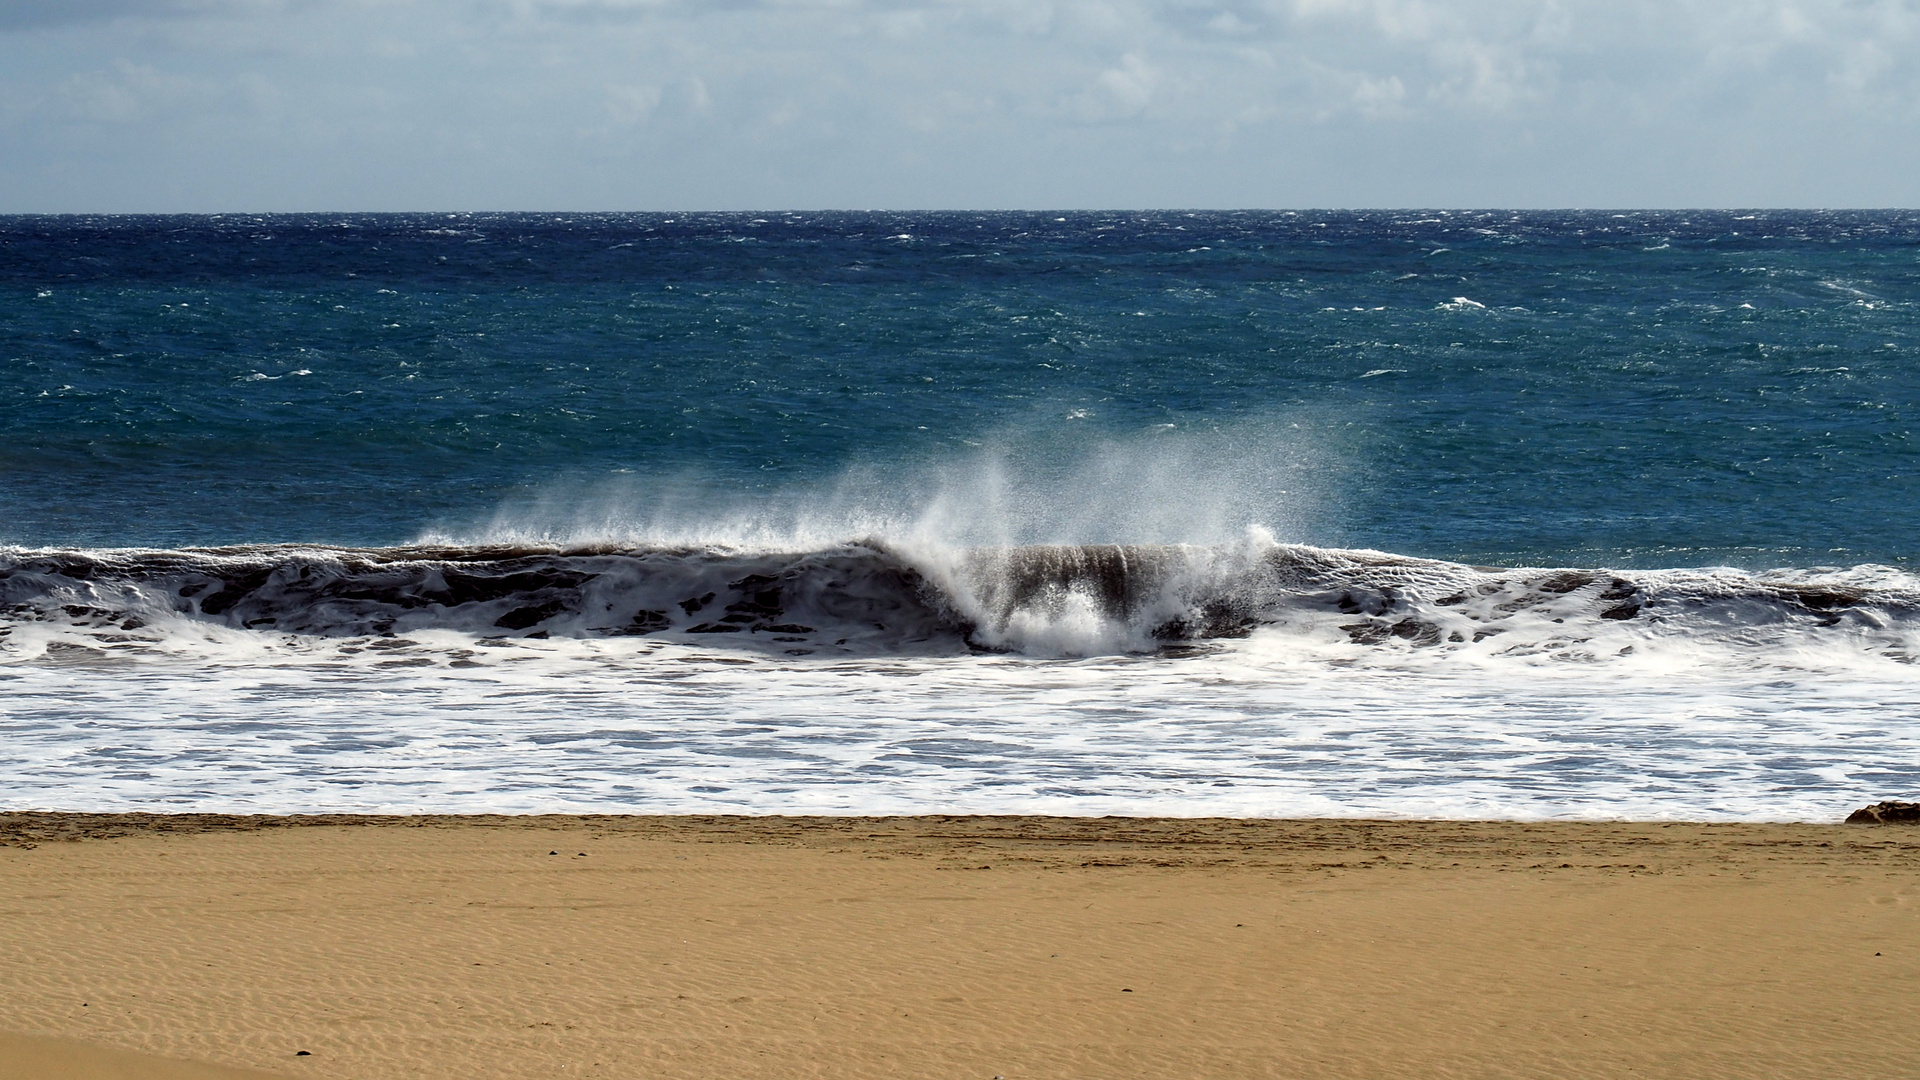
1886,813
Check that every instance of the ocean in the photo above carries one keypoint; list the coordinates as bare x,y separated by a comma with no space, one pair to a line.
1379,514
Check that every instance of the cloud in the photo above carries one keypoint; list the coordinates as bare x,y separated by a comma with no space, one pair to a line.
25,14
123,94
769,103
632,104
1121,92
36,14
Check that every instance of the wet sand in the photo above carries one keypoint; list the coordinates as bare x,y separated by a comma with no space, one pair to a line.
477,947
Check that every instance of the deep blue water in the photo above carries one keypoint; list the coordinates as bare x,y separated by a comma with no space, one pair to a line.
1643,389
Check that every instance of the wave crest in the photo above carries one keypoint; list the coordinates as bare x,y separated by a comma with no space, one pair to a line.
868,596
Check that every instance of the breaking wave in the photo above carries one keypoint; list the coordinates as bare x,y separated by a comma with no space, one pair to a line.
871,597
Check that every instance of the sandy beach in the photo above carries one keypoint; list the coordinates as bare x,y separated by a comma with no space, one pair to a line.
482,947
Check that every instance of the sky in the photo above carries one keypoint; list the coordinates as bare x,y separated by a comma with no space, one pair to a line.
359,105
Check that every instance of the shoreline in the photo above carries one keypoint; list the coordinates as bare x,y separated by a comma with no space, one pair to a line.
35,825
955,946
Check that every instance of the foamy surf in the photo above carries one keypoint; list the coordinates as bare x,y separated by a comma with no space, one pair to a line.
1253,679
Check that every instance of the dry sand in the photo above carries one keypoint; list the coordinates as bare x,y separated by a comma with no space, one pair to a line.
959,947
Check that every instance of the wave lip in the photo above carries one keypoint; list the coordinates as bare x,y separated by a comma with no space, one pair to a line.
869,596
486,590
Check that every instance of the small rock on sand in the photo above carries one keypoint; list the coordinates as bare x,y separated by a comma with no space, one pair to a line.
1886,813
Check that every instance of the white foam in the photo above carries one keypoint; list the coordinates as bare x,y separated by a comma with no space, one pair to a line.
1283,723
1368,685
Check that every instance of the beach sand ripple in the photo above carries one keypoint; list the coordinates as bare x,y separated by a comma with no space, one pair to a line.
480,947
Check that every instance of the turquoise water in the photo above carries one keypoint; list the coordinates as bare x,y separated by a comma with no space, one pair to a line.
1644,390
